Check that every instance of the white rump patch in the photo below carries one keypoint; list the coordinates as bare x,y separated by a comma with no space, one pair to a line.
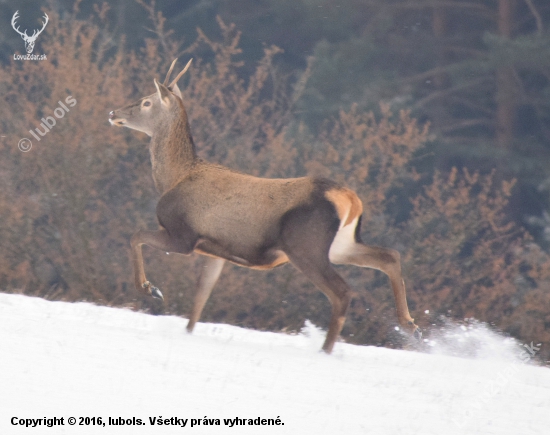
344,243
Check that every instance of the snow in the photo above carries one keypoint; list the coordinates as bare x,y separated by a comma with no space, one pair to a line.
80,360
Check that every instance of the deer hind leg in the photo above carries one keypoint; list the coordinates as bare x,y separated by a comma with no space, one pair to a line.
326,279
160,240
211,270
347,249
307,235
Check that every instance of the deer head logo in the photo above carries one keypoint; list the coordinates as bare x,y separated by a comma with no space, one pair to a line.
29,40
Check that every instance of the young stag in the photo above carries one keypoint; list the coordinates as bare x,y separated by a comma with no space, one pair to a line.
252,222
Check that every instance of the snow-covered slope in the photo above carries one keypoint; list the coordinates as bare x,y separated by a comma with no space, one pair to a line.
79,360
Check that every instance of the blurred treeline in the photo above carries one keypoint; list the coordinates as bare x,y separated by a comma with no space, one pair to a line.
435,112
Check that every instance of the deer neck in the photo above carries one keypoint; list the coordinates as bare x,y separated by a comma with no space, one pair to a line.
172,152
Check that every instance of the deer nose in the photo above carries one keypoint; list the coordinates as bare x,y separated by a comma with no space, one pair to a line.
111,114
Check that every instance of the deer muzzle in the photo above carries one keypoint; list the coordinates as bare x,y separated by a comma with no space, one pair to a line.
115,120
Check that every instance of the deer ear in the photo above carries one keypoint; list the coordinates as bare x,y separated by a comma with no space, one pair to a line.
176,91
163,93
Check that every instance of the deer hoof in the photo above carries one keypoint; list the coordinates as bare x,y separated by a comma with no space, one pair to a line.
155,292
416,331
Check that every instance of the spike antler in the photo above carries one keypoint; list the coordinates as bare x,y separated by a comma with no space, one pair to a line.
29,40
165,83
181,73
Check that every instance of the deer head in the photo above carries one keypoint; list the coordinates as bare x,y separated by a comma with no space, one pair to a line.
149,113
29,40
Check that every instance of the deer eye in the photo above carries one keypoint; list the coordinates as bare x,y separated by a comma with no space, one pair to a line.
146,103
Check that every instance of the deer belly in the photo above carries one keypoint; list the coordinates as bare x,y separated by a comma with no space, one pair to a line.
252,257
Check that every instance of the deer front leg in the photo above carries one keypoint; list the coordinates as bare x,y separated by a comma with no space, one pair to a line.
156,239
211,270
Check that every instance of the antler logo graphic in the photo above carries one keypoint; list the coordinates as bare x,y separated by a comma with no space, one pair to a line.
29,40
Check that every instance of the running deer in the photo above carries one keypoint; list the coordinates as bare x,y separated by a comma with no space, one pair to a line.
253,222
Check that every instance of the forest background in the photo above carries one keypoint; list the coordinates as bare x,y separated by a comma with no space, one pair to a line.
437,112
